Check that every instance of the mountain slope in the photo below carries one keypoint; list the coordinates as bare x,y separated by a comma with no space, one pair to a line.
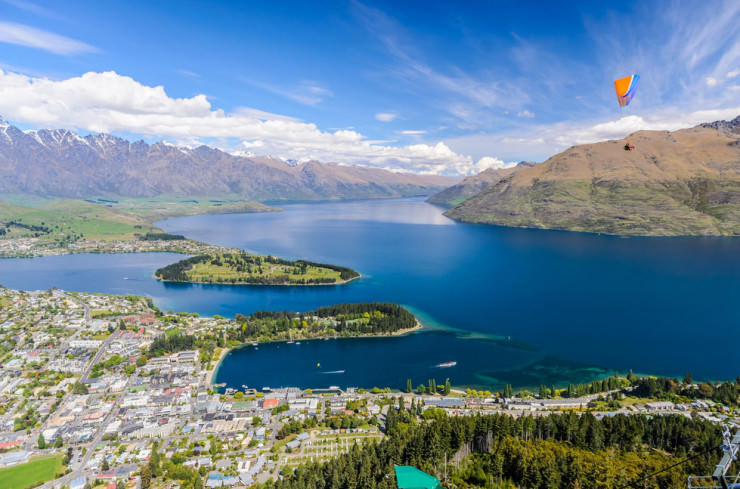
685,182
61,163
470,186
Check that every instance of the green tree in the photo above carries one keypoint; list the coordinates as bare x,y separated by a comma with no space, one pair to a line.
41,441
146,477
448,387
104,466
409,387
508,391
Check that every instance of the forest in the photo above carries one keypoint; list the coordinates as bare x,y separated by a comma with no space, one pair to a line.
367,318
500,451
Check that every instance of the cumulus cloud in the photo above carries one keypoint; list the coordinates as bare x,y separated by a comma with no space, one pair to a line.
24,35
385,116
410,132
488,162
711,81
109,102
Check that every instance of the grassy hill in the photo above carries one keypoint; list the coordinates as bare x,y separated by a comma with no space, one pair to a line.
685,182
69,220
245,268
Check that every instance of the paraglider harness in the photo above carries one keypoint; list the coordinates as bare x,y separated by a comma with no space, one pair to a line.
628,147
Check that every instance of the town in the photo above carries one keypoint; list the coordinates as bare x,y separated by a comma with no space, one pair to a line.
87,400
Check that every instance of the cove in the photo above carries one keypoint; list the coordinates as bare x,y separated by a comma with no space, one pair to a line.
565,302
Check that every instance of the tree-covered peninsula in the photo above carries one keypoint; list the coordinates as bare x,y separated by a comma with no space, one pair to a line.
361,319
246,268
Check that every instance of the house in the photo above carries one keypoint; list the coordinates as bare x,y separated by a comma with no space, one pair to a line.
270,403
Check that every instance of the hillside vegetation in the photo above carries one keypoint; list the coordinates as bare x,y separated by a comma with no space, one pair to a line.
65,221
685,182
246,268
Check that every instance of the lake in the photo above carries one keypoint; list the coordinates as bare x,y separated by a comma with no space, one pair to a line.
508,305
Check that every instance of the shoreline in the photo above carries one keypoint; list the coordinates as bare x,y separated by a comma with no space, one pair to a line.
401,332
258,285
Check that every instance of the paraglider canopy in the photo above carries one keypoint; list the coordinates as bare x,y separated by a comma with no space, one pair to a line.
625,88
628,147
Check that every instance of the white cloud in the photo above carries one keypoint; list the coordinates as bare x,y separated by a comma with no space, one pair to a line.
188,73
23,35
526,113
711,81
488,162
307,92
109,102
410,132
733,74
385,116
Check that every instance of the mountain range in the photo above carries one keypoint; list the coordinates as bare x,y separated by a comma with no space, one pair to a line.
61,163
685,182
470,186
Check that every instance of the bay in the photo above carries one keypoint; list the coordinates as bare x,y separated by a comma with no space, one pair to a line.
509,305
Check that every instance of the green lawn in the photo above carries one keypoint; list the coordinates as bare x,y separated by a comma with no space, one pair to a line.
39,469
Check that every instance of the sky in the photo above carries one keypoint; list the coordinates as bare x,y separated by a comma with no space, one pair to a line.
429,87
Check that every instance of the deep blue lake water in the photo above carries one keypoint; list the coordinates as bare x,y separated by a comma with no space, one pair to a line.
509,305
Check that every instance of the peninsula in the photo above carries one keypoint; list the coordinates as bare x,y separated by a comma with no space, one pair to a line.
239,267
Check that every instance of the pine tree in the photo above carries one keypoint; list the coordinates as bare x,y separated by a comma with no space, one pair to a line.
448,387
508,391
41,441
409,387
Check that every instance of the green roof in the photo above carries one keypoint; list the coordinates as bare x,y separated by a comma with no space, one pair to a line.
408,477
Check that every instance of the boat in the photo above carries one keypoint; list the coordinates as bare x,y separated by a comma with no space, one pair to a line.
297,342
255,344
447,364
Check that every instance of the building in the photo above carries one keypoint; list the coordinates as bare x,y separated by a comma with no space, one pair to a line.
408,477
78,483
270,403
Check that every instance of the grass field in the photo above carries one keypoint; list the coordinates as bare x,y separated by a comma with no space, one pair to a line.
162,207
40,469
67,220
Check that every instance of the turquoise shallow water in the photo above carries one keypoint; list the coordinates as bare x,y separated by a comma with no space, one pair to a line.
509,305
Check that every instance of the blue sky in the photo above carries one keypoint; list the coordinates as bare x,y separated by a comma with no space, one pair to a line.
435,87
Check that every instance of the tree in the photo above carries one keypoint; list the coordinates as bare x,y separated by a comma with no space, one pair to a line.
689,379
448,387
120,484
508,391
58,442
104,466
630,376
146,477
41,441
409,387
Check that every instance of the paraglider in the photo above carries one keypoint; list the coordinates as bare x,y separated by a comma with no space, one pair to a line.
625,88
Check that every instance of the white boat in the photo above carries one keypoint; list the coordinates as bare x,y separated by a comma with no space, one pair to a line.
447,364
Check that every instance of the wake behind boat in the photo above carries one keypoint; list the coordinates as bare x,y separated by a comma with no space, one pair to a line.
334,372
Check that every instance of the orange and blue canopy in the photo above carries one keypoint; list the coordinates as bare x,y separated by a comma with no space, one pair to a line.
626,88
